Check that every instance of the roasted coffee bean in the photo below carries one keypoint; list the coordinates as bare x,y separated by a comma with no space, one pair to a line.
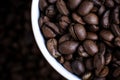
115,29
104,72
78,31
91,36
98,2
90,47
82,52
117,41
78,67
67,65
42,20
50,11
116,72
89,64
87,76
91,18
108,58
52,1
68,47
65,37
115,15
101,10
62,8
85,7
64,22
109,3
77,18
73,4
106,35
105,19
93,28
52,47
43,4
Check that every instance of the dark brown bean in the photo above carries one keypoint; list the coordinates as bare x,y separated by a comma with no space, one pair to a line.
65,37
106,35
109,3
43,4
117,41
101,10
93,28
90,47
78,67
108,58
73,4
85,7
115,29
67,65
91,18
68,47
115,15
87,76
91,36
82,52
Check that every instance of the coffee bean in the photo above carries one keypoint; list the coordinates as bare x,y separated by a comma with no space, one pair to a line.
115,15
87,76
78,67
90,47
85,7
43,4
117,41
68,47
117,1
77,18
91,36
68,57
52,47
73,4
105,19
91,18
116,72
109,3
65,37
52,1
106,35
115,29
108,58
61,6
93,28
101,10
78,31
67,65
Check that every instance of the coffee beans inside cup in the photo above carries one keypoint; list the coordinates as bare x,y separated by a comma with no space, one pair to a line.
84,36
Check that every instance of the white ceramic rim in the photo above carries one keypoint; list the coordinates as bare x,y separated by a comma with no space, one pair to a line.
40,42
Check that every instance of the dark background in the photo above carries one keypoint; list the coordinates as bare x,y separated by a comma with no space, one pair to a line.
20,58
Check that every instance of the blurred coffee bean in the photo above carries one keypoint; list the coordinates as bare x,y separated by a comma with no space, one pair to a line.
85,7
105,19
91,36
62,8
43,4
91,18
106,35
115,29
68,47
73,4
77,18
68,57
90,47
78,67
109,3
108,58
115,15
117,1
67,65
87,76
117,41
101,10
116,72
52,47
52,1
93,28
78,31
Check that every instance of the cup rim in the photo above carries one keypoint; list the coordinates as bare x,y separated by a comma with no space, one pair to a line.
41,44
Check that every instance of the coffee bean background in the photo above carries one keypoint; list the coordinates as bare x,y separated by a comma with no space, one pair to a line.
20,58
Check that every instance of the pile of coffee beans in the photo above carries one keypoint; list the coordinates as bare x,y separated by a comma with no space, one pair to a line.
84,36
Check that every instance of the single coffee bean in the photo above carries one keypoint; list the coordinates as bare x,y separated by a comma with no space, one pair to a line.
64,21
115,29
115,15
82,52
91,18
64,38
67,65
47,32
117,41
78,31
77,18
87,76
105,19
91,36
93,28
50,11
43,4
106,35
109,3
90,47
101,10
78,67
73,4
68,47
116,72
89,64
52,47
108,58
61,6
104,72
85,7
52,1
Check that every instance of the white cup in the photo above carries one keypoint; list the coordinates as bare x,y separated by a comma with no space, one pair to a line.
41,44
